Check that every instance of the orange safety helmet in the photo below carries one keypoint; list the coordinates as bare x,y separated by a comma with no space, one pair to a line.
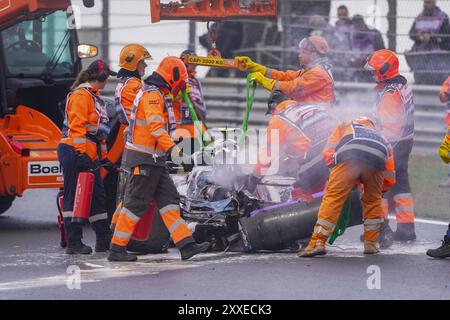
315,44
384,63
174,72
131,55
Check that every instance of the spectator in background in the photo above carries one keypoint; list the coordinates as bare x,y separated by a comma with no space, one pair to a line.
320,27
431,29
343,17
431,35
341,52
364,41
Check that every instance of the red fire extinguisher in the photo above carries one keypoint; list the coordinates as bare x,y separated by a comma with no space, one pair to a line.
61,226
83,198
143,227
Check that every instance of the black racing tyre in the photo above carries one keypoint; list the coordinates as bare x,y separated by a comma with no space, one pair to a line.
5,203
277,226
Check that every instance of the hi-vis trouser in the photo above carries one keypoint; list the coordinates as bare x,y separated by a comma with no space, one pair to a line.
399,197
342,180
98,218
143,184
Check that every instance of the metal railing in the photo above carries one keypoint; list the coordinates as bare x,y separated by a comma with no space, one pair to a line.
225,100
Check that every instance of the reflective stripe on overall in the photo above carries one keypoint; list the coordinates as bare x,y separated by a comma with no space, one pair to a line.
95,133
366,141
170,126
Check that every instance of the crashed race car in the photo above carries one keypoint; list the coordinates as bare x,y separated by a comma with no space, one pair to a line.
219,209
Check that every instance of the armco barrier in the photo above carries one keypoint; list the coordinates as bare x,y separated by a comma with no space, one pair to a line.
225,99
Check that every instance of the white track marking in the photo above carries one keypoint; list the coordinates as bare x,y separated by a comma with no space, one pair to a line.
426,221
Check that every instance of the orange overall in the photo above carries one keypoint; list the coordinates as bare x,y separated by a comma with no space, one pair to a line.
395,109
357,154
126,92
148,143
312,85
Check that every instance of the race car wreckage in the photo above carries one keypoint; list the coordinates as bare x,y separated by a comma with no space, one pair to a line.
219,209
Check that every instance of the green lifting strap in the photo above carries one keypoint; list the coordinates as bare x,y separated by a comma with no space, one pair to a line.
250,96
344,219
198,128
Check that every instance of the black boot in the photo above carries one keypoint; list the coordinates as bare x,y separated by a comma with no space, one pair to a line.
386,237
405,232
443,251
191,249
103,234
103,242
118,253
78,247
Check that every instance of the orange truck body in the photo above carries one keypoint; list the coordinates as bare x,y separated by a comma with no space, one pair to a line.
28,159
28,138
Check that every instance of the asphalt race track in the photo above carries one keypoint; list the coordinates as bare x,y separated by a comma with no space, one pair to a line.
33,266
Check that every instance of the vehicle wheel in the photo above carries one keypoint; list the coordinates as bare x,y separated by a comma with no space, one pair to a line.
5,203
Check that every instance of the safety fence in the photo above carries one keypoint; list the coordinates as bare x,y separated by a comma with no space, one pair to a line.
274,42
225,100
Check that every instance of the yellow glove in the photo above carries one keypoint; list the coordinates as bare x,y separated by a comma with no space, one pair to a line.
252,66
444,150
267,83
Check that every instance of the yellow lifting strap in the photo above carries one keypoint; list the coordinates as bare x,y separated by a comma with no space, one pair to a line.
215,62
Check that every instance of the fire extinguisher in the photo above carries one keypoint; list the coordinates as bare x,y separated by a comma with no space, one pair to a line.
61,226
143,227
83,198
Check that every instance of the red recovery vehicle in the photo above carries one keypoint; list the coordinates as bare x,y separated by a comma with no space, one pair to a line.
39,60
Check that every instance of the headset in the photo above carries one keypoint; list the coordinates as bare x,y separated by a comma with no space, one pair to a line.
104,71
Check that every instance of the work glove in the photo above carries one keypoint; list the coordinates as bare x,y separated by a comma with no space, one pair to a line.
444,150
252,66
266,83
252,183
108,165
83,162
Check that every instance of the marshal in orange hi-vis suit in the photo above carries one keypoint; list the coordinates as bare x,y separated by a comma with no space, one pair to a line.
357,153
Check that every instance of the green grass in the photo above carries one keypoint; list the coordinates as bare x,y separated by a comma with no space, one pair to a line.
425,174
